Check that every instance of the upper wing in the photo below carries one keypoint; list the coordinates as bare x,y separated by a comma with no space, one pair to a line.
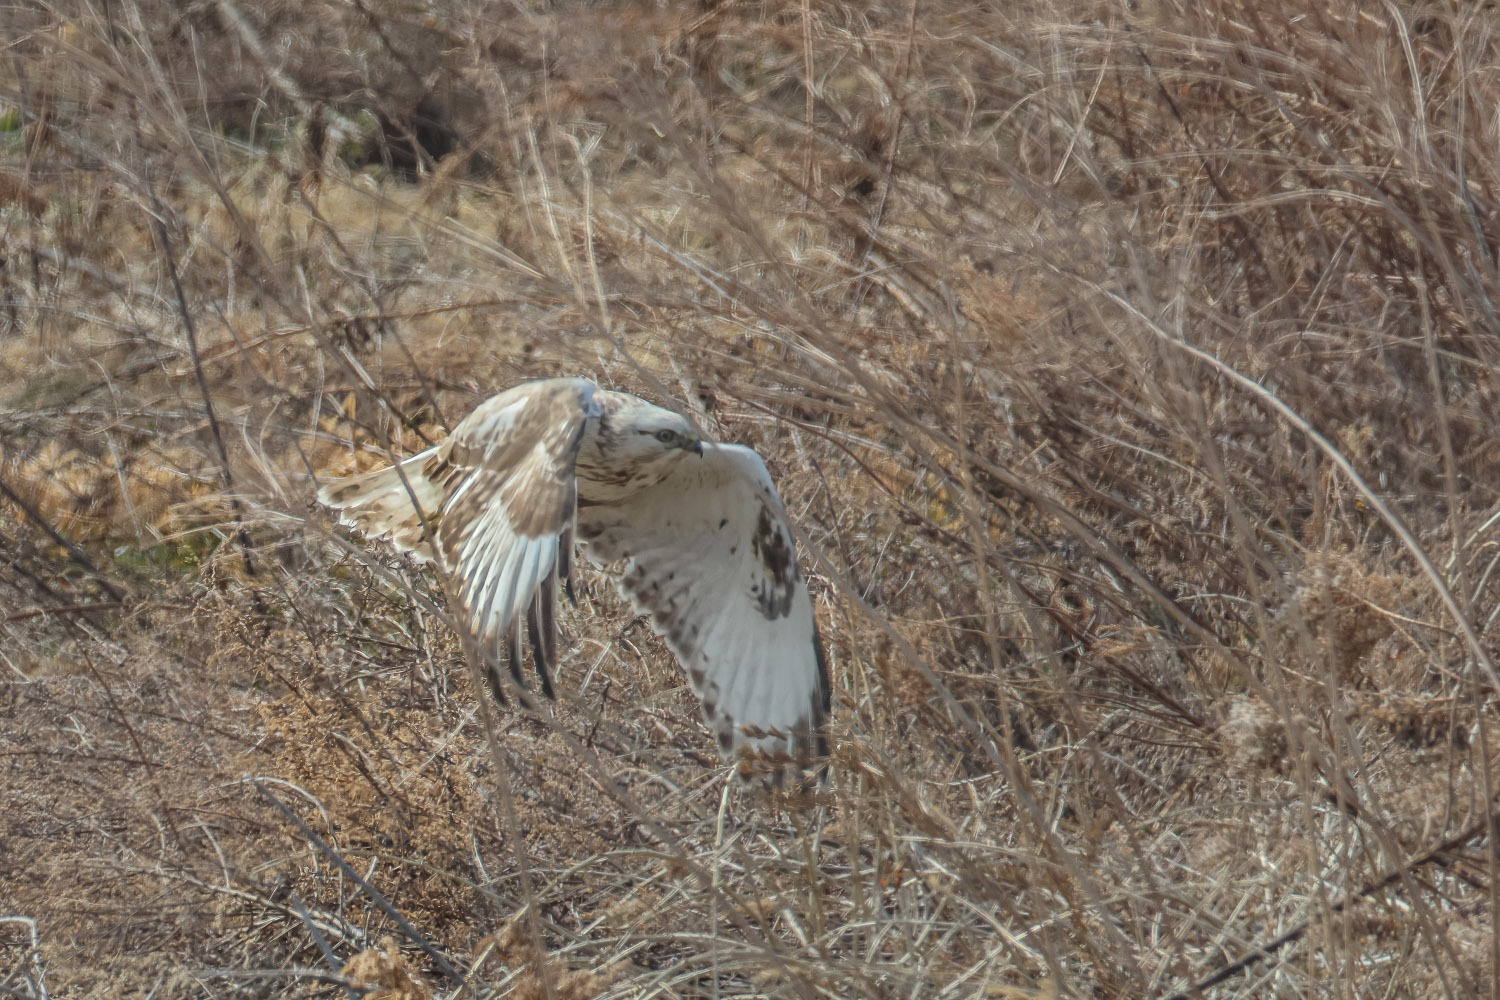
507,478
710,557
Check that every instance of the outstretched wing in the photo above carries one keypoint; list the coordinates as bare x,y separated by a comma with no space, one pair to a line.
396,503
709,557
507,478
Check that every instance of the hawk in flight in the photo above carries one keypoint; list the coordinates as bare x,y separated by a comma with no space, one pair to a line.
695,529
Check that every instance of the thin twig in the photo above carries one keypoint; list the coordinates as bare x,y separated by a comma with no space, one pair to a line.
66,609
1267,951
191,329
321,942
78,555
384,905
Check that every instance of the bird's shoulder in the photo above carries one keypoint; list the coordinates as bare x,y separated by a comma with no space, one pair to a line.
509,426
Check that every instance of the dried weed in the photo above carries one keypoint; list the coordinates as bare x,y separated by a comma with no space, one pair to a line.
1028,308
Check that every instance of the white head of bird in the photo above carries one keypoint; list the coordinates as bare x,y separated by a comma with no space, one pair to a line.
648,434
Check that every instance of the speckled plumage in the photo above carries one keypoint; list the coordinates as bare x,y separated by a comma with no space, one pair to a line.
698,528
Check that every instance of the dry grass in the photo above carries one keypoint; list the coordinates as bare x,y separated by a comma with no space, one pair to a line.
1128,368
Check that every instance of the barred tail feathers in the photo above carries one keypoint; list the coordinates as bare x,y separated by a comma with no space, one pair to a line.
379,504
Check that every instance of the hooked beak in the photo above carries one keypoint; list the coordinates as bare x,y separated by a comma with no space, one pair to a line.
697,447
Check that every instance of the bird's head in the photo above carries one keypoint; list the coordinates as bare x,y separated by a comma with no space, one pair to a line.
649,434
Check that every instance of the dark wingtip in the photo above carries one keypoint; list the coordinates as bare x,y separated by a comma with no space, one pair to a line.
543,654
517,653
564,567
492,681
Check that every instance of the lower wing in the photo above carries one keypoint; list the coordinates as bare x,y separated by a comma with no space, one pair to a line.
710,557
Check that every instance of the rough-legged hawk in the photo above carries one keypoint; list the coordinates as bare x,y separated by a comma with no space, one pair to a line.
696,528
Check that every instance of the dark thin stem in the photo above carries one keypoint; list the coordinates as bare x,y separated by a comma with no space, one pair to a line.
375,894
1267,952
66,609
321,942
191,330
78,555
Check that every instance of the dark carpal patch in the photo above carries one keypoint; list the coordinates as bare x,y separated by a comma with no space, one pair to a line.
774,550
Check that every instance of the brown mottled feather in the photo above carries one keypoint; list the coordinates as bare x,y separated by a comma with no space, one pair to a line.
503,482
525,476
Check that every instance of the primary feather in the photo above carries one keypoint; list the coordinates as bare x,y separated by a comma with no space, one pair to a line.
698,528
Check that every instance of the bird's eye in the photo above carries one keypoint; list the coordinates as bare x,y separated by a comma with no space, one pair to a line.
666,436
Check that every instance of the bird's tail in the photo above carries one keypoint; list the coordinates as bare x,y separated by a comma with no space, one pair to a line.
390,503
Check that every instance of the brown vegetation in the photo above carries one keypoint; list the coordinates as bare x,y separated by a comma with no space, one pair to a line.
1129,369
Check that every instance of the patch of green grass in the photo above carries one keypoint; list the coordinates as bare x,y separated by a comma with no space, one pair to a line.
178,558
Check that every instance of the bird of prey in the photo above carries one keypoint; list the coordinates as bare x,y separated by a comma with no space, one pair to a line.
695,529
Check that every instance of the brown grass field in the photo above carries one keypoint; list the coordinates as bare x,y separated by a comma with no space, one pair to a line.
1129,369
